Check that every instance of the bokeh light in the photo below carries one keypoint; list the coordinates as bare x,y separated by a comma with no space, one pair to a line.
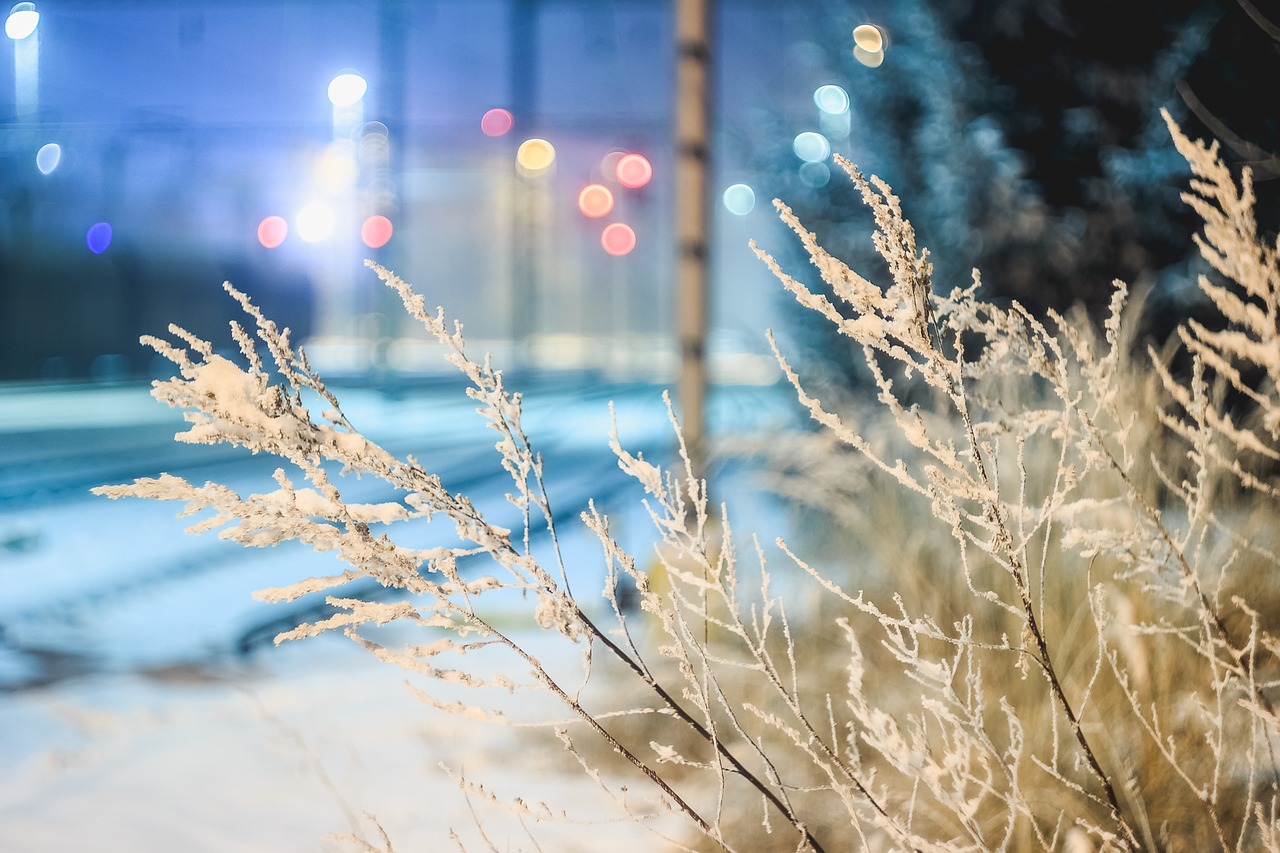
347,89
22,21
98,237
376,231
811,147
739,199
815,175
374,143
379,194
831,99
633,171
871,60
595,200
535,156
609,163
869,37
835,126
496,122
314,222
618,239
869,45
48,157
337,168
272,231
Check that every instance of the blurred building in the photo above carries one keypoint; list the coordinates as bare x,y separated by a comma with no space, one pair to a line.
151,149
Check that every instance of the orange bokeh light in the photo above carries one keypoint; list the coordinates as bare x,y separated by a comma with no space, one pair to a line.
595,200
618,238
376,231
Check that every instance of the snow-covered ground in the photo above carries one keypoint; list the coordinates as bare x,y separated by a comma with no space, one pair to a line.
131,720
274,755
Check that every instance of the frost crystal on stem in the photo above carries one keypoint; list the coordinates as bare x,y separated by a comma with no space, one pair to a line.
1064,629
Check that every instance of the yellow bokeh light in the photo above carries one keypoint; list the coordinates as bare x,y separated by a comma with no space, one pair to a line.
869,37
336,168
535,155
867,58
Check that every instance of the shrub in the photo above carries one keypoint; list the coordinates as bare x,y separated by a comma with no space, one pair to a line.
1051,624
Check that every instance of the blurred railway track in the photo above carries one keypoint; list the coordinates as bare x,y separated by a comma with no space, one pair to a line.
89,584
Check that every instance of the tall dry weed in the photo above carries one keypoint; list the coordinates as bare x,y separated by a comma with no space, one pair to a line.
1052,626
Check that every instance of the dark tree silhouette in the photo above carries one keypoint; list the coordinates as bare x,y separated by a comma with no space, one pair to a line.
1024,138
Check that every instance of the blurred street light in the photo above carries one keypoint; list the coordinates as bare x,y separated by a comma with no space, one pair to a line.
98,237
633,171
811,147
496,122
48,157
347,89
272,230
21,27
831,99
346,93
869,37
618,238
834,119
535,156
22,21
314,222
739,199
869,45
595,200
376,231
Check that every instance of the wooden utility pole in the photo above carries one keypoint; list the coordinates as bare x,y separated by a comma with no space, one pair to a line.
692,126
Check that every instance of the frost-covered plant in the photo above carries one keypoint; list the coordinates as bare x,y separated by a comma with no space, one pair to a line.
1039,449
1064,635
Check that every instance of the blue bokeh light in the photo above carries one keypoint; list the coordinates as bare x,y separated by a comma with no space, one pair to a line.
739,199
98,237
815,175
48,157
811,147
831,99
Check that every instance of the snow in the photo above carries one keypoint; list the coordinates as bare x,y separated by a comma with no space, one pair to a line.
141,729
268,758
33,406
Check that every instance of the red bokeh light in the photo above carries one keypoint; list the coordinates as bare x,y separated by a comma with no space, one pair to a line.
634,171
272,231
376,231
496,122
618,238
595,200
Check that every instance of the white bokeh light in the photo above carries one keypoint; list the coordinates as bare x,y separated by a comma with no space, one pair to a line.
831,99
22,21
811,147
314,222
739,199
48,157
347,89
337,168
